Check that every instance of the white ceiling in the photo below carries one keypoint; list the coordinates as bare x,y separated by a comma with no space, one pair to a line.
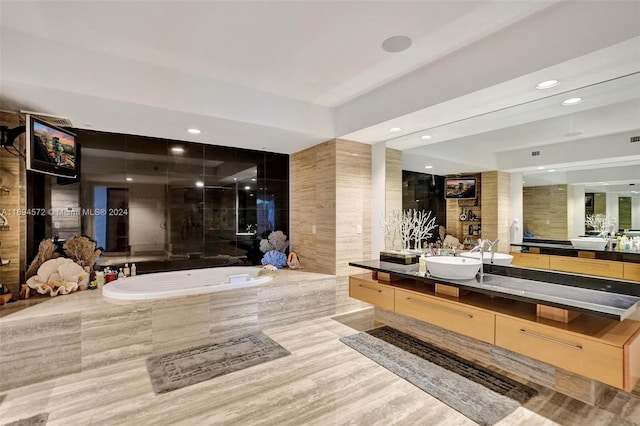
285,75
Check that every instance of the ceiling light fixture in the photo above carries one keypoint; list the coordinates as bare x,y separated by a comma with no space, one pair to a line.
395,129
425,137
572,101
128,179
428,167
540,167
194,131
200,184
551,170
177,150
247,187
547,84
396,44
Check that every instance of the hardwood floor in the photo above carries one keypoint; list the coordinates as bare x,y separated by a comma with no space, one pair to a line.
322,382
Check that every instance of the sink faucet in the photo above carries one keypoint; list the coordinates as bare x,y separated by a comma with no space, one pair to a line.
480,248
492,245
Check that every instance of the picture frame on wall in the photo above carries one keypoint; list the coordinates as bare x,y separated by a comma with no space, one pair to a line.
588,201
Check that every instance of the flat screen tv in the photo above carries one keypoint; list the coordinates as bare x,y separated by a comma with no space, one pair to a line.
460,188
50,149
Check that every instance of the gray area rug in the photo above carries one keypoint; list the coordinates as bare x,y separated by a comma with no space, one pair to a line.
37,420
482,395
186,367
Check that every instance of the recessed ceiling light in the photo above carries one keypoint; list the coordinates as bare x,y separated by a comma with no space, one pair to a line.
547,84
572,101
428,167
235,179
425,137
551,170
395,44
247,188
194,131
540,167
200,184
395,129
128,179
177,150
253,179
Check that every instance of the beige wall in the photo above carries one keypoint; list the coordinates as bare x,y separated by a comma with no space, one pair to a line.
393,189
330,186
545,211
13,180
496,187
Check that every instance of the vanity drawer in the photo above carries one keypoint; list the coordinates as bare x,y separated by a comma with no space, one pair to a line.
370,291
453,316
631,271
603,268
561,348
530,260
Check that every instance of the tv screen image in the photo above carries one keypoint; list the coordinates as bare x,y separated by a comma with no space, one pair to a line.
460,188
51,150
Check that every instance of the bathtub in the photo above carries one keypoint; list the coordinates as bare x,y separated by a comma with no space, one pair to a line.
162,285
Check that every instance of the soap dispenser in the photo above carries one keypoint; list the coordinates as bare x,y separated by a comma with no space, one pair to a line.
422,264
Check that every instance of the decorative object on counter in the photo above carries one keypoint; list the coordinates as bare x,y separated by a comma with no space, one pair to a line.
174,370
411,225
269,268
273,248
58,276
293,261
392,228
482,395
46,251
601,223
275,258
82,250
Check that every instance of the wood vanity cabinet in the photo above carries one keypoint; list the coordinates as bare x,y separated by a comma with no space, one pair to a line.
531,260
598,358
453,316
597,267
597,348
631,271
363,288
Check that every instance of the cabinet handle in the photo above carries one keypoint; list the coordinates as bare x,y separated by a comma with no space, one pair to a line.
440,308
578,263
369,288
551,339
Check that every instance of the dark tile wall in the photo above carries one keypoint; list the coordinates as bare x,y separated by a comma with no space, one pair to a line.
173,204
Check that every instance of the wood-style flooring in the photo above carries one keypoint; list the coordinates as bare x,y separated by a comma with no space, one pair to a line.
323,382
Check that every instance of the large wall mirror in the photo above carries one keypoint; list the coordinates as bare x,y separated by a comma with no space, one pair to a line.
573,159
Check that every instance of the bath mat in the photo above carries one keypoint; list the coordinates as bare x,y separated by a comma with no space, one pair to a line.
480,394
37,420
189,366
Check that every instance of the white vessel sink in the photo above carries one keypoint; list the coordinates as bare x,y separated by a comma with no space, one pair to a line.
498,258
589,243
454,268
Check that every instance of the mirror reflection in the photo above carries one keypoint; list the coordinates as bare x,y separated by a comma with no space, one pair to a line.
574,159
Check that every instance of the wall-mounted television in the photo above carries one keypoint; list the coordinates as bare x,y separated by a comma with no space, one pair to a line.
460,188
50,149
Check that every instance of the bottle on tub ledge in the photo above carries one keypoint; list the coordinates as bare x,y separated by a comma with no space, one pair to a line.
120,273
134,270
127,271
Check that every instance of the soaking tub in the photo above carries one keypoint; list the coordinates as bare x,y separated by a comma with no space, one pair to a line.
161,285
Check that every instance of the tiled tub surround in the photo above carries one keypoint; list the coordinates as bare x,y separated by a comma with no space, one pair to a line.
41,339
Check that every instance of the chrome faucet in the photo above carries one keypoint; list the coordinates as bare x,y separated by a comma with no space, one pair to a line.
492,248
480,248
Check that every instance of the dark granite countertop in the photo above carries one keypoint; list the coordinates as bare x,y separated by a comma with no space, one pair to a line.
564,248
615,299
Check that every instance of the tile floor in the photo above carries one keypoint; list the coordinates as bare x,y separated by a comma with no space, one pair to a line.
322,382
